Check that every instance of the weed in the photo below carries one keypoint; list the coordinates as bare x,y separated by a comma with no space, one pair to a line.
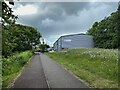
98,67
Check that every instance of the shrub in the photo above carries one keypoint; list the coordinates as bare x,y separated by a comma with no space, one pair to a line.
12,65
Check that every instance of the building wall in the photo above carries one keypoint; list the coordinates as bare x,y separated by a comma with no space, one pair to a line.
55,46
59,44
75,41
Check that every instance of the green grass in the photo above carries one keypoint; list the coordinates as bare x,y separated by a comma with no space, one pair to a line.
11,66
97,67
0,72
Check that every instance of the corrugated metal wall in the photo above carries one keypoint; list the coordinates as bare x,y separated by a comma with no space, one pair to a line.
55,46
74,41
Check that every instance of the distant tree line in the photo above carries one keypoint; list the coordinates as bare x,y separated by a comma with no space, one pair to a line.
16,37
43,46
106,33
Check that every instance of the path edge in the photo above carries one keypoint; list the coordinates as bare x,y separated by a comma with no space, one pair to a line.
62,66
47,81
19,73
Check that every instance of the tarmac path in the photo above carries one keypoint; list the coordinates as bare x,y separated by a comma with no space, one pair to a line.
43,72
32,76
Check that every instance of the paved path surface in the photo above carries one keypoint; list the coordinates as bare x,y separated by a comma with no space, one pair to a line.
57,76
43,72
32,76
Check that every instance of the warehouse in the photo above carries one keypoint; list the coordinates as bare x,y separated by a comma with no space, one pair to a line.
74,41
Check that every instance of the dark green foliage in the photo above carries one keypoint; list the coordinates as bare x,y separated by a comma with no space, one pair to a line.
13,65
119,26
7,16
105,32
0,9
119,44
15,37
25,37
0,39
44,47
19,38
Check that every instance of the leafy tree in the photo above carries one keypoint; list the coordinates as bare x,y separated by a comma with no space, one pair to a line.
16,37
7,16
118,26
0,39
47,46
105,32
25,37
7,44
19,38
7,21
43,47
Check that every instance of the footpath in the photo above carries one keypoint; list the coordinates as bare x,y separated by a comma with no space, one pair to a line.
43,72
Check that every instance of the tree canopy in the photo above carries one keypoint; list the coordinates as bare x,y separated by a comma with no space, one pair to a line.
16,37
118,26
7,17
105,32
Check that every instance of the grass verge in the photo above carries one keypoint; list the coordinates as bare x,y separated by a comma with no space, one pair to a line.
0,71
97,67
11,66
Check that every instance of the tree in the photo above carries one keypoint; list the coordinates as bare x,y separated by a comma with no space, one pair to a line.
26,37
7,17
16,37
7,21
43,47
118,25
105,32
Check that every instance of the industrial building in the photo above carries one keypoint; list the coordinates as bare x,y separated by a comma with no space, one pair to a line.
74,41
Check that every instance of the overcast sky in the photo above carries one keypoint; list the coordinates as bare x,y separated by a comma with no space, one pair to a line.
61,18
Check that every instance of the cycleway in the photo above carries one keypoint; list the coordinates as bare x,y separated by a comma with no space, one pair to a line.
44,72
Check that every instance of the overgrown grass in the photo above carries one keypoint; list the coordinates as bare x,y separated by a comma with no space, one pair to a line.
11,66
0,71
97,67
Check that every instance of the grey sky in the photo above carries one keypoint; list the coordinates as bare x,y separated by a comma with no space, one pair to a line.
61,18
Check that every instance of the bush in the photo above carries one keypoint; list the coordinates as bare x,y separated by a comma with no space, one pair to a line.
13,65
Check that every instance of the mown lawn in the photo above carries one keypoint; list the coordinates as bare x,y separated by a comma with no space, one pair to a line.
11,66
97,67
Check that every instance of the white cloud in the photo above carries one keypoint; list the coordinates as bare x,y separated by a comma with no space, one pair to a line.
56,19
47,22
26,10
